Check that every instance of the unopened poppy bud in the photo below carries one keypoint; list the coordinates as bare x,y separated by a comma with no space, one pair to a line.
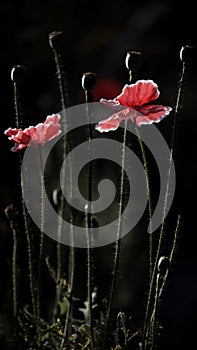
10,212
56,40
133,60
186,53
88,80
57,197
18,73
163,265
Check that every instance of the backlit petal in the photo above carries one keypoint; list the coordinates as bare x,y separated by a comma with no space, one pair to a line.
113,122
37,135
152,114
138,94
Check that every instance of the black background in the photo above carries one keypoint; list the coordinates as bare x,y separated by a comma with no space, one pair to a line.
96,38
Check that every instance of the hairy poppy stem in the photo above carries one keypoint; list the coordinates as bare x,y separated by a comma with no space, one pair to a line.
161,280
149,198
63,89
89,279
118,237
149,201
154,314
14,279
24,211
16,103
89,223
41,249
149,302
131,74
61,84
171,253
10,213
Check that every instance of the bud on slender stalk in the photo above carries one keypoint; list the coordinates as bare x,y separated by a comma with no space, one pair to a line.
186,53
133,60
18,74
88,80
10,212
56,40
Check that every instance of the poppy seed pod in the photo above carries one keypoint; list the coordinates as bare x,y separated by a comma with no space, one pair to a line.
186,53
56,40
18,73
133,60
163,265
88,80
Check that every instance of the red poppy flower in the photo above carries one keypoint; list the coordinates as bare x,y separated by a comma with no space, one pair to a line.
133,102
35,135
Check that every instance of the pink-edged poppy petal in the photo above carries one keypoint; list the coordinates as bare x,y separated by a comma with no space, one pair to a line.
10,131
17,147
53,131
108,124
113,122
54,118
45,132
37,135
23,136
110,103
138,94
152,114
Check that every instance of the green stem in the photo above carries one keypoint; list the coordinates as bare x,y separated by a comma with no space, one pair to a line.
177,110
123,327
171,254
71,287
61,84
61,80
30,254
149,201
148,193
66,148
118,237
24,211
11,213
41,249
14,277
159,290
88,218
150,221
89,283
154,314
16,103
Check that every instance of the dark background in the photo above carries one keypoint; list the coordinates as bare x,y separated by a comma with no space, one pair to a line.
96,38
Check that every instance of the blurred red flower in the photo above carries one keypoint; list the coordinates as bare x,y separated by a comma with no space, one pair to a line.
135,97
35,135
